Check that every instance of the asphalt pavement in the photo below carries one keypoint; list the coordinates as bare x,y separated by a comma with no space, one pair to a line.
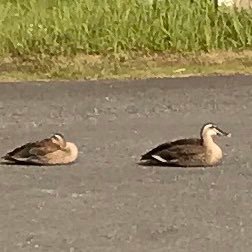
105,201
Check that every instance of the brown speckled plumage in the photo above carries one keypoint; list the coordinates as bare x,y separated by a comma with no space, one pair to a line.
53,150
189,152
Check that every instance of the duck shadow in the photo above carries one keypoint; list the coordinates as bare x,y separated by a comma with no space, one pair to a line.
153,163
19,163
168,165
23,163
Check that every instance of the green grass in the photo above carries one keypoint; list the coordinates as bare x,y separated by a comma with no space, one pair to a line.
50,27
39,30
139,67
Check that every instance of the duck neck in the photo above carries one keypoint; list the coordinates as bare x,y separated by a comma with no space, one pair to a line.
208,140
72,150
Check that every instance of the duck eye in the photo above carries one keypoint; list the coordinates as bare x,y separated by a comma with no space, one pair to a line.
55,138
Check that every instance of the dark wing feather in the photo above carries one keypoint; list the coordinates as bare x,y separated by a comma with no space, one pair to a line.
172,150
184,155
187,141
157,149
32,150
44,147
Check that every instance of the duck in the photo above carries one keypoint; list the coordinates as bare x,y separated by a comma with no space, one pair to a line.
189,152
49,151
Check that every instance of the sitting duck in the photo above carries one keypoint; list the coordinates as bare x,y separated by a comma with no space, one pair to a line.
190,152
50,151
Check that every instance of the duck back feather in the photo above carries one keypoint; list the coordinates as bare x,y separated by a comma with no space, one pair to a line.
170,150
32,152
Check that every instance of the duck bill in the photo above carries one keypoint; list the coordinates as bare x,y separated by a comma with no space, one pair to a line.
223,133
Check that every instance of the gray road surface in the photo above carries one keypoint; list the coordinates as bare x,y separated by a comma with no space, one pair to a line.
105,201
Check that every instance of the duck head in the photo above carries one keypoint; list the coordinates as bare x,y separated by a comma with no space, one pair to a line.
59,139
211,129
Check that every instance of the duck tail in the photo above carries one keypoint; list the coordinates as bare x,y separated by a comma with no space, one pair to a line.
145,156
7,157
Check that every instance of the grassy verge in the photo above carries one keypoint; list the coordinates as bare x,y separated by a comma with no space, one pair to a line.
122,67
90,39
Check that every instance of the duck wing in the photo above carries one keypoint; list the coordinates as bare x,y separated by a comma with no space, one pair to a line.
32,152
171,151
